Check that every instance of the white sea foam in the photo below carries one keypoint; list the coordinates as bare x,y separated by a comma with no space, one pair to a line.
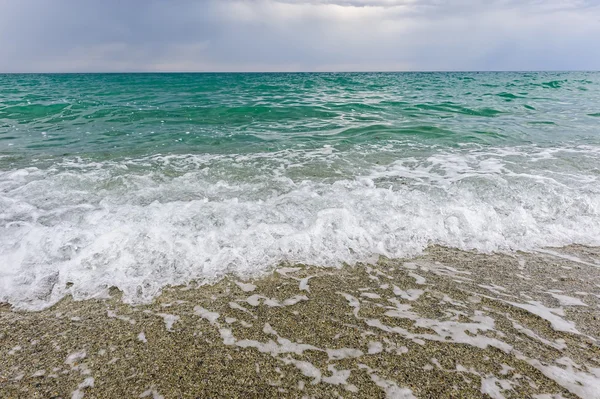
81,227
551,315
566,300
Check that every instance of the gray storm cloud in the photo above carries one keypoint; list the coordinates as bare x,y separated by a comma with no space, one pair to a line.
288,35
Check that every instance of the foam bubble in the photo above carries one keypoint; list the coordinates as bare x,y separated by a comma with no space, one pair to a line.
80,226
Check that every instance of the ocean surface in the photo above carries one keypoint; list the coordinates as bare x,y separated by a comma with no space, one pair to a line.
143,180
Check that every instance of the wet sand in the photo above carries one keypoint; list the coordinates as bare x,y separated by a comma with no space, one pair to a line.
446,324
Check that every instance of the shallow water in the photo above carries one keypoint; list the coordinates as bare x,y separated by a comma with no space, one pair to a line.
446,324
143,180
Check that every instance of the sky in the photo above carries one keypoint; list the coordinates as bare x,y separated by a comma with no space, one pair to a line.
298,35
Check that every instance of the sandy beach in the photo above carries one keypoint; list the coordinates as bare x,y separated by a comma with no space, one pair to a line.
446,324
299,199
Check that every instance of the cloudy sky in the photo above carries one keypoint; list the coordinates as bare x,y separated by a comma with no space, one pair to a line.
298,35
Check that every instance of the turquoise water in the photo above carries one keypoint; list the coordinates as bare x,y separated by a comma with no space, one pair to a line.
143,180
119,115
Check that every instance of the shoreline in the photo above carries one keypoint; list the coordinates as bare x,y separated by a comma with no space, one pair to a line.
447,323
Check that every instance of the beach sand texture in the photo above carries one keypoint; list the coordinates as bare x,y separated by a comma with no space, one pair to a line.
446,324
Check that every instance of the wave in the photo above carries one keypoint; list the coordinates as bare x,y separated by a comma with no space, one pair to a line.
79,227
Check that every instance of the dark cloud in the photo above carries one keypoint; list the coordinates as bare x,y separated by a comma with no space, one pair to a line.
148,35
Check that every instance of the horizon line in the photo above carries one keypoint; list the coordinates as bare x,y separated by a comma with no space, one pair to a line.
300,72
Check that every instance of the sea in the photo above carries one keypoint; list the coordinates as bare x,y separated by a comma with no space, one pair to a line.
141,181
